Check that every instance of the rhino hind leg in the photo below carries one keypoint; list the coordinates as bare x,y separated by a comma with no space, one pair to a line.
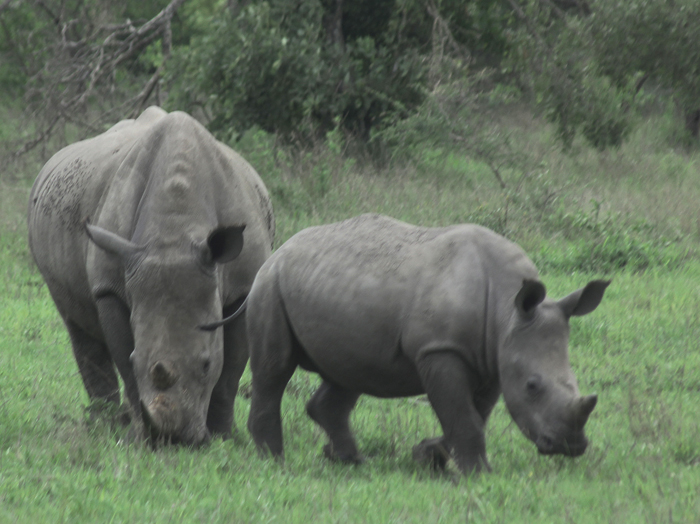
96,367
330,407
265,420
273,360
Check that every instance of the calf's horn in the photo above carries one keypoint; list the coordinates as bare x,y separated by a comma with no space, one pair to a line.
583,408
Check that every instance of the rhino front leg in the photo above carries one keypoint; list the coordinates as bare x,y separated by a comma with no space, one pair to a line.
445,378
330,408
114,320
220,414
95,365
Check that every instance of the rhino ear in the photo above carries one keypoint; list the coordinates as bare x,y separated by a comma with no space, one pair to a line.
225,243
584,300
529,297
111,242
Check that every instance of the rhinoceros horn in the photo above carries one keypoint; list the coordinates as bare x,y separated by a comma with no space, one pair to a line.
111,242
583,408
223,322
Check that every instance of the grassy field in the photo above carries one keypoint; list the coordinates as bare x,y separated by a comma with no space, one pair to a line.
631,215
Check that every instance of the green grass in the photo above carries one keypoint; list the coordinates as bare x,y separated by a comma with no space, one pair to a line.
638,351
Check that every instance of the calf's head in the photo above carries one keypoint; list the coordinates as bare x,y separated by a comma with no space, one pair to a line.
539,388
172,290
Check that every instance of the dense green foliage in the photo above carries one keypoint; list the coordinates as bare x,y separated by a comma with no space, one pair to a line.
586,69
273,65
305,67
659,39
302,68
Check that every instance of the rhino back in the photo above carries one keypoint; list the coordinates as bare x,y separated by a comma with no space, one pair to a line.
159,178
69,189
363,296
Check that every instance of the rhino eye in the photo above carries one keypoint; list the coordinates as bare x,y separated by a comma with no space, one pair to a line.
206,365
533,386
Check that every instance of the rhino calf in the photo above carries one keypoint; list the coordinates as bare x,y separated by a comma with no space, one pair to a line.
377,306
163,255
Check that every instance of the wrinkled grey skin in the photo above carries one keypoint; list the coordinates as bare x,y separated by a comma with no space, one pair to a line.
179,225
377,306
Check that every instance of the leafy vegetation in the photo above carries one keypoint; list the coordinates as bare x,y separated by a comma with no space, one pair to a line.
301,69
587,67
275,66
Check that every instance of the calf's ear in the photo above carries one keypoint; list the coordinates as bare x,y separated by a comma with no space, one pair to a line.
584,300
225,243
529,297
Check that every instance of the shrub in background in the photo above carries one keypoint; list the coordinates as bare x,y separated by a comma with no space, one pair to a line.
274,65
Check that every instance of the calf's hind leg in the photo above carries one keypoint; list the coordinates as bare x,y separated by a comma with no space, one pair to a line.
330,408
272,363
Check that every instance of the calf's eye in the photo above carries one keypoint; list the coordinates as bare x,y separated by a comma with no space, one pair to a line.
533,385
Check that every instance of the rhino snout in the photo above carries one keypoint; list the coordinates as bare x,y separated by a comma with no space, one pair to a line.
161,417
569,439
165,422
571,447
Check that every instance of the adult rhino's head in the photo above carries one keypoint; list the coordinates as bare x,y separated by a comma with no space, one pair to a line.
173,290
539,388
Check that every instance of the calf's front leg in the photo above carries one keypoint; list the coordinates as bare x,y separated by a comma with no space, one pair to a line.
445,378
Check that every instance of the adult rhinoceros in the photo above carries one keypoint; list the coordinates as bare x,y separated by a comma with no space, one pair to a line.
377,306
165,206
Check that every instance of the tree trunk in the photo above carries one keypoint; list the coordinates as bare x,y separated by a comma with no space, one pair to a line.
333,24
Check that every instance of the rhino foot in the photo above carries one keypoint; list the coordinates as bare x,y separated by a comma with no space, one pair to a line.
114,414
432,452
346,458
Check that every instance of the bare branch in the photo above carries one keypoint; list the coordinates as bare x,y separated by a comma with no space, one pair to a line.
84,60
560,14
54,18
140,99
42,135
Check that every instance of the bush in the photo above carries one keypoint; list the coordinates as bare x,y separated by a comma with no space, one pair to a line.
605,244
586,70
555,60
273,66
460,114
591,105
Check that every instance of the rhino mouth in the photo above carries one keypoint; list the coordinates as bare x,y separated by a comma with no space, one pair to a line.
162,429
570,447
